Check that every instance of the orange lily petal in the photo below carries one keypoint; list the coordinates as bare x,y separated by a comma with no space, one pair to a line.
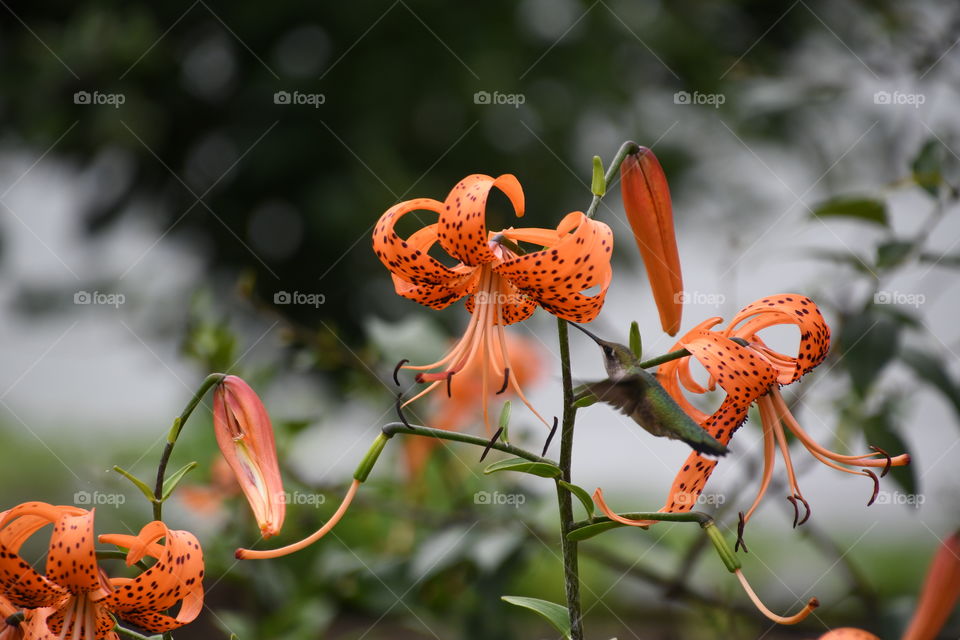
462,229
940,592
514,306
743,374
848,633
177,576
646,200
245,437
20,583
437,296
787,308
556,276
408,258
72,559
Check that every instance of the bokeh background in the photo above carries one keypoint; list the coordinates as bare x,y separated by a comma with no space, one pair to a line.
190,187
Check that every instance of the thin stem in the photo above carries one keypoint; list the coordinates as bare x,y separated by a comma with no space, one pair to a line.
395,428
667,357
120,555
571,572
626,149
210,381
133,634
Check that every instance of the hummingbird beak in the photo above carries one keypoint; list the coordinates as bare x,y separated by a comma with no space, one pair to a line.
592,336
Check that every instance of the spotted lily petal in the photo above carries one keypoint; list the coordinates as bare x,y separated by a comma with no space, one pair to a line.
245,436
20,583
462,229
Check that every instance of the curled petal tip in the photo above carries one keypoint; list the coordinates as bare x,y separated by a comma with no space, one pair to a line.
812,604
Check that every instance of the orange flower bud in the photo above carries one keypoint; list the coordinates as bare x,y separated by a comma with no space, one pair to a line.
245,436
646,199
940,592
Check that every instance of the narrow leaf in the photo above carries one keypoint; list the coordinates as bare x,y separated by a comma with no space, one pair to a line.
928,167
505,422
581,494
933,371
598,185
137,482
171,483
542,469
555,614
866,209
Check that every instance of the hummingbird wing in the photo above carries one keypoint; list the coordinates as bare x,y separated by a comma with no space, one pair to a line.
643,399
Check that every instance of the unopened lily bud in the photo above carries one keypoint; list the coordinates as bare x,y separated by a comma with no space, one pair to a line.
245,436
646,199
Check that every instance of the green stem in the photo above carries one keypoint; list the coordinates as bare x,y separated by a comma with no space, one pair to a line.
626,149
416,430
120,555
132,634
210,381
667,357
571,569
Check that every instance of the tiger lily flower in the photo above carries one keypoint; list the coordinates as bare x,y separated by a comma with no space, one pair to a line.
754,373
245,437
646,200
75,596
501,283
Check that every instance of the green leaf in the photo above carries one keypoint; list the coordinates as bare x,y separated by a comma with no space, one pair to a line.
555,614
137,482
933,371
860,208
586,401
581,494
636,345
171,483
928,167
878,431
542,469
867,343
891,254
845,258
598,185
951,260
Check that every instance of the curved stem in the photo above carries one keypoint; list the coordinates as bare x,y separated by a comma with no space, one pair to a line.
395,428
209,382
120,555
130,633
626,149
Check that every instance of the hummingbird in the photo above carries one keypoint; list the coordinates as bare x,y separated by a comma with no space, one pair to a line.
636,393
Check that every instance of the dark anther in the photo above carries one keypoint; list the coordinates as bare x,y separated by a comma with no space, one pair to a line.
506,380
886,467
546,445
876,485
449,381
490,444
796,510
740,543
396,371
15,619
403,418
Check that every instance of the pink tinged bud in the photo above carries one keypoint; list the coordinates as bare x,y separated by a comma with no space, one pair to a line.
245,437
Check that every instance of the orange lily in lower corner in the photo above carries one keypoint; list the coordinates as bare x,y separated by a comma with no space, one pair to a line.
501,282
74,596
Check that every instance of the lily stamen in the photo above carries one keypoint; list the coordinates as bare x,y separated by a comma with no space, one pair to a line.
801,615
